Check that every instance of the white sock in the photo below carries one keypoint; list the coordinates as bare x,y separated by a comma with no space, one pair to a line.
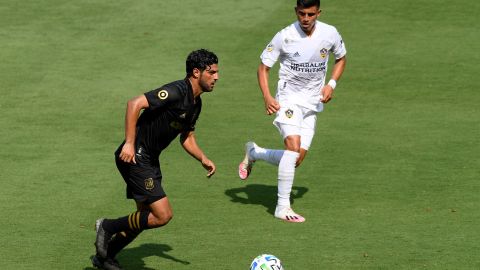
286,174
271,156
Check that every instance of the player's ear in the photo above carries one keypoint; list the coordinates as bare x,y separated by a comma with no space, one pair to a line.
196,73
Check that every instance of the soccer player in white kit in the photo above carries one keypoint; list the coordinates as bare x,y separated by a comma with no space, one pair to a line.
303,49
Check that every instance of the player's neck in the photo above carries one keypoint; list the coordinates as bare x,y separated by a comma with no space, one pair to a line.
309,33
196,89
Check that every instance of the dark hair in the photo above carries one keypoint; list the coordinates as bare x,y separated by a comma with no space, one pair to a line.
200,59
308,3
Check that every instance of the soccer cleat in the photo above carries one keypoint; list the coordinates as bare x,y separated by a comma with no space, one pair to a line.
106,264
287,214
97,262
245,167
103,237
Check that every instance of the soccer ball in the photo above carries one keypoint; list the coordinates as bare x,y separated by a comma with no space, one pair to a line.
266,262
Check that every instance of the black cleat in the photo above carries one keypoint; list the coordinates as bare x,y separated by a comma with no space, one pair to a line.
103,237
106,264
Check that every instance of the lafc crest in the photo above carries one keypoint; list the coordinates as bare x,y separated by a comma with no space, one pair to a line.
149,184
289,113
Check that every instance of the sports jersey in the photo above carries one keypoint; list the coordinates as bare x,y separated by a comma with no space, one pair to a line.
172,110
303,62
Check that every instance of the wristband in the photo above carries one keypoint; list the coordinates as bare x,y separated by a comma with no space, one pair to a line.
332,83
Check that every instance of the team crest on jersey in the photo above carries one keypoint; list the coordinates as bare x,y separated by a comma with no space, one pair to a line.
289,113
323,52
149,184
162,94
270,47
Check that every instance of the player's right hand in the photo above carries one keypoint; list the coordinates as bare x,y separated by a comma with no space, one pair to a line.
128,153
271,105
209,166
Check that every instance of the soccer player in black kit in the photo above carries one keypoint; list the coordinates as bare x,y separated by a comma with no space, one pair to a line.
168,111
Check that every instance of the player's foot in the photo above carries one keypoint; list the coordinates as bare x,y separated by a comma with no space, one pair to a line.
245,167
103,237
107,264
286,213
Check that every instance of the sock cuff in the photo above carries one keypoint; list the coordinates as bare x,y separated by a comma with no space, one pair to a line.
291,154
138,221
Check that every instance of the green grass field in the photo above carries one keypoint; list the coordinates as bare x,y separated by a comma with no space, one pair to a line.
391,181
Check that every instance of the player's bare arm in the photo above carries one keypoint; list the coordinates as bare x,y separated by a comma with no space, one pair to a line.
338,68
271,104
189,143
134,107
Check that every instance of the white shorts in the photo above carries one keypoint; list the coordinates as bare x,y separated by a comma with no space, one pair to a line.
296,120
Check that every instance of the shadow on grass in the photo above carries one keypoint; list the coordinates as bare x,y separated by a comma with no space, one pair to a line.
262,195
132,258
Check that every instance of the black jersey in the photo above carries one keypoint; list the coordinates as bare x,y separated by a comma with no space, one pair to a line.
172,110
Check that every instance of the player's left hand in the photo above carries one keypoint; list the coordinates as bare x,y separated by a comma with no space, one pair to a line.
327,94
209,166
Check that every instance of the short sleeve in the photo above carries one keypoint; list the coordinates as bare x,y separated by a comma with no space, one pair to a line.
271,53
338,48
162,96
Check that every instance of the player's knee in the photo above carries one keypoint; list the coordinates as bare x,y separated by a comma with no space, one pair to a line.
160,220
292,143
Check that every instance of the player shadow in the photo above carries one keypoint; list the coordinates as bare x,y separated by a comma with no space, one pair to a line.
132,258
262,195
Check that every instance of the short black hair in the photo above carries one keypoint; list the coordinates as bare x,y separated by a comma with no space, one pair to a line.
308,3
200,59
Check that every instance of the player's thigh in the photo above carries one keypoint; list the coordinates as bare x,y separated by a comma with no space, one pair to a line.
143,181
161,208
307,130
288,120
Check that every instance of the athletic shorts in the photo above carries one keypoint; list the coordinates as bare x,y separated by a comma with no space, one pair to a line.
143,179
293,119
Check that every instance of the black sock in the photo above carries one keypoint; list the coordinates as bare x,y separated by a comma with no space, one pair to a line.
120,241
136,221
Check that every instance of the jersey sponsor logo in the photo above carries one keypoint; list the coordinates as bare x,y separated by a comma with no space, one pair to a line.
162,94
323,53
289,113
270,47
149,184
308,67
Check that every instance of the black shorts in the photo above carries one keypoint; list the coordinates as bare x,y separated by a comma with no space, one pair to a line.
143,179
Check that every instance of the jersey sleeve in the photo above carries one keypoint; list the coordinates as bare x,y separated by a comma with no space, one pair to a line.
271,53
338,48
162,96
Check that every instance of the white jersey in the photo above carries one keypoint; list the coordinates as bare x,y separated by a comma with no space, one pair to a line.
303,62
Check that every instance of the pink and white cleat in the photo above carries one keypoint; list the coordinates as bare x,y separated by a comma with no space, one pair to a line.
287,214
245,167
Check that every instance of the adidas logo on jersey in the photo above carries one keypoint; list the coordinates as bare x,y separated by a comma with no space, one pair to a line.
296,54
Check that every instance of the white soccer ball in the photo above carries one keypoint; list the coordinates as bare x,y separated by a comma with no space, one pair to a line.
266,262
